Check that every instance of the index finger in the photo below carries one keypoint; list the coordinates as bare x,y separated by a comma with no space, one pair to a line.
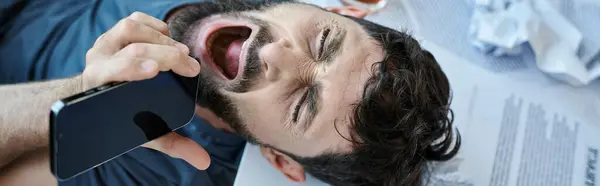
129,31
150,21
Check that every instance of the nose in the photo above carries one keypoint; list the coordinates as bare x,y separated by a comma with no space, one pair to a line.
278,59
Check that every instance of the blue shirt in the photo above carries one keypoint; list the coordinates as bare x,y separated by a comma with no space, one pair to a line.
48,39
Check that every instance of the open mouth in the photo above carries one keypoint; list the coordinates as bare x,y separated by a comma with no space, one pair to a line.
225,47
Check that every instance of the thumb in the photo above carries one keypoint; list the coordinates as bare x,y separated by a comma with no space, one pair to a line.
181,147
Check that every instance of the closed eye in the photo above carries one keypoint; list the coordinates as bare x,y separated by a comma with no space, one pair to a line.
298,106
322,42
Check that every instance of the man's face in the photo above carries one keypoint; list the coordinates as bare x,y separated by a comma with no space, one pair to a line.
287,75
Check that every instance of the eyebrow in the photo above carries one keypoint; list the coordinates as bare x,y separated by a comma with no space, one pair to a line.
314,101
333,47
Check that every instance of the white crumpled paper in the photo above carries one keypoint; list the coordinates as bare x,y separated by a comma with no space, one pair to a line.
504,27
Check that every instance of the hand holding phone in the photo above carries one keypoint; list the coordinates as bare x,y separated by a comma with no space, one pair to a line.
134,51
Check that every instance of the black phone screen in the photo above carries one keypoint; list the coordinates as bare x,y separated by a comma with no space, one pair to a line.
96,126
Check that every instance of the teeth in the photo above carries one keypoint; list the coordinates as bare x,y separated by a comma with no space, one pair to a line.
243,48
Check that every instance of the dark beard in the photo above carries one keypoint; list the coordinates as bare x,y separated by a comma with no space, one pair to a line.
207,91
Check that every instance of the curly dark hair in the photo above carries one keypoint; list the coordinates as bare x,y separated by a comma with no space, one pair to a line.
402,121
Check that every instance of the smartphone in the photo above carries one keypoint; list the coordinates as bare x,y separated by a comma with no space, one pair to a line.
103,123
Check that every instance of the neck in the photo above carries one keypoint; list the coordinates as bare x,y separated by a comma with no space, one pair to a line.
213,119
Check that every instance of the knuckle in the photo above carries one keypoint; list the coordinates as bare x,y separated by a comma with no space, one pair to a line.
127,59
137,15
165,40
163,26
174,55
89,55
127,26
181,57
122,69
135,49
99,38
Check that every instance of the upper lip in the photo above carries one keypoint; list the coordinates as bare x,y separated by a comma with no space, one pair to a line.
207,30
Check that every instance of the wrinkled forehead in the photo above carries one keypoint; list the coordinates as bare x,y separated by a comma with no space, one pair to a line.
343,83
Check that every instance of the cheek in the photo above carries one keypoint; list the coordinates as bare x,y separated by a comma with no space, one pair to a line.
261,111
264,118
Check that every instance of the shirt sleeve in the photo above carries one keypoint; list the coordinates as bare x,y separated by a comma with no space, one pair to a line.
155,8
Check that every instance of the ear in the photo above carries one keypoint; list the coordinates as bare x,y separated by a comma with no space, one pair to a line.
286,165
349,11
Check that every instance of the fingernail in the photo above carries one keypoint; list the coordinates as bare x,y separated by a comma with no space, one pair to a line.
183,48
149,66
194,65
